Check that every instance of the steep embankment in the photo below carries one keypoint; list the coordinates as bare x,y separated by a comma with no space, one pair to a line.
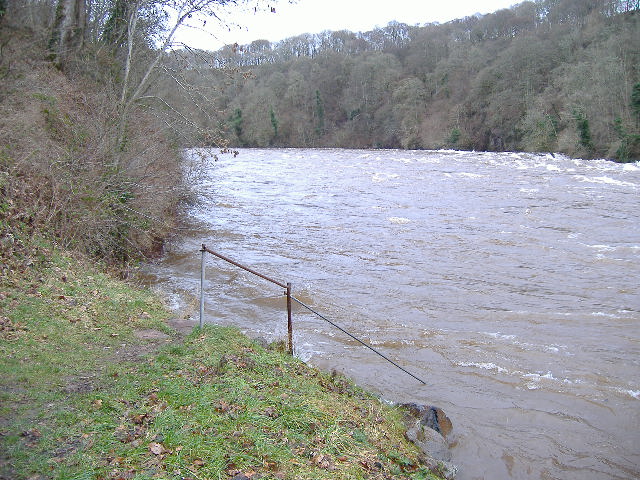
71,165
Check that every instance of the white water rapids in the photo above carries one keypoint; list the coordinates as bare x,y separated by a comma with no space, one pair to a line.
508,282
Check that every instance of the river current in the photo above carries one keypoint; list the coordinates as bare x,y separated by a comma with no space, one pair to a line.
508,282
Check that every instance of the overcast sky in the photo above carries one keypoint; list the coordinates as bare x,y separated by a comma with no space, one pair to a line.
314,16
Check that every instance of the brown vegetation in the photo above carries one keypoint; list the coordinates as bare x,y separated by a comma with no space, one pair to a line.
66,169
89,136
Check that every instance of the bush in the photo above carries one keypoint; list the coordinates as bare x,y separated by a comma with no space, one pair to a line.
66,172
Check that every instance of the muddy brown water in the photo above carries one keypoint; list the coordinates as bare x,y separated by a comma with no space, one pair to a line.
508,282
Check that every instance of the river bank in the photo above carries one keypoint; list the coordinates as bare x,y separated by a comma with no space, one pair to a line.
95,382
500,279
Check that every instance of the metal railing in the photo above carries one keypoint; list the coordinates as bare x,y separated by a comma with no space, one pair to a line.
287,286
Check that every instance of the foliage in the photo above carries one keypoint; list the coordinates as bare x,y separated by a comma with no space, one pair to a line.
320,130
95,385
635,102
90,141
274,122
236,123
454,137
505,81
629,148
584,132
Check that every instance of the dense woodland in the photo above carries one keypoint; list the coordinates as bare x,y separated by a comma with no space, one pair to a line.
545,75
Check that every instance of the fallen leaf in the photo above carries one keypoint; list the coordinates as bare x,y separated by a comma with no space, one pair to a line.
270,465
157,448
323,461
139,419
31,434
240,476
271,412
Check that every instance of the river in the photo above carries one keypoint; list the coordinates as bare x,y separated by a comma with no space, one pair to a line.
507,281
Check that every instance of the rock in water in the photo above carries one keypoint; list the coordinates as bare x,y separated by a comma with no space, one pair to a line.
429,441
431,417
428,427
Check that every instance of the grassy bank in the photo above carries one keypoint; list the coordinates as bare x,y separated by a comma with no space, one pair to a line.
96,385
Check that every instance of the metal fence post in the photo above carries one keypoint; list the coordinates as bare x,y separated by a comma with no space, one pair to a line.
289,322
204,252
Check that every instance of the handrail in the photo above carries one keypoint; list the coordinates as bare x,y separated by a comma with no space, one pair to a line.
287,292
286,286
358,340
250,270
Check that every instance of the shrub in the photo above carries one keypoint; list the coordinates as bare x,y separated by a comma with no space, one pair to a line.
66,173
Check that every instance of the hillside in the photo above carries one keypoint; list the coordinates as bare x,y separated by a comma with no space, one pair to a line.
71,167
545,75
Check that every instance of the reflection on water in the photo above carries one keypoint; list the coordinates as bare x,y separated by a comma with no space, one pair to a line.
507,281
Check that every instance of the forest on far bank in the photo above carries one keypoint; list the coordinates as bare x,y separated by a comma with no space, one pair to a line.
542,76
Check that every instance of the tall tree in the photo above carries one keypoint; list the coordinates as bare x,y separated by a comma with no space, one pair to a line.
319,112
69,28
635,103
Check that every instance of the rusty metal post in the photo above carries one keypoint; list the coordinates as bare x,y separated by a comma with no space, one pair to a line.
289,322
204,252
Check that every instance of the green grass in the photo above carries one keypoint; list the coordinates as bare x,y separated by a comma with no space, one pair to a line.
81,397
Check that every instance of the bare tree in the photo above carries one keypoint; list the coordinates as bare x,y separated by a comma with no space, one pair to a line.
143,50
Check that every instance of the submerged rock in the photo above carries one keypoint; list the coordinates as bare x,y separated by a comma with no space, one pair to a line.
428,427
431,417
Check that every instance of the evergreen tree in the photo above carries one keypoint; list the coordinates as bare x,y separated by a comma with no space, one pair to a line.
635,103
584,131
274,122
236,123
319,115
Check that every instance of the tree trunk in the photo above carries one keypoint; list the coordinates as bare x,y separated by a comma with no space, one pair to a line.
69,29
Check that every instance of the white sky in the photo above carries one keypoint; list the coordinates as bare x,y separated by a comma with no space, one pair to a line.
315,16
